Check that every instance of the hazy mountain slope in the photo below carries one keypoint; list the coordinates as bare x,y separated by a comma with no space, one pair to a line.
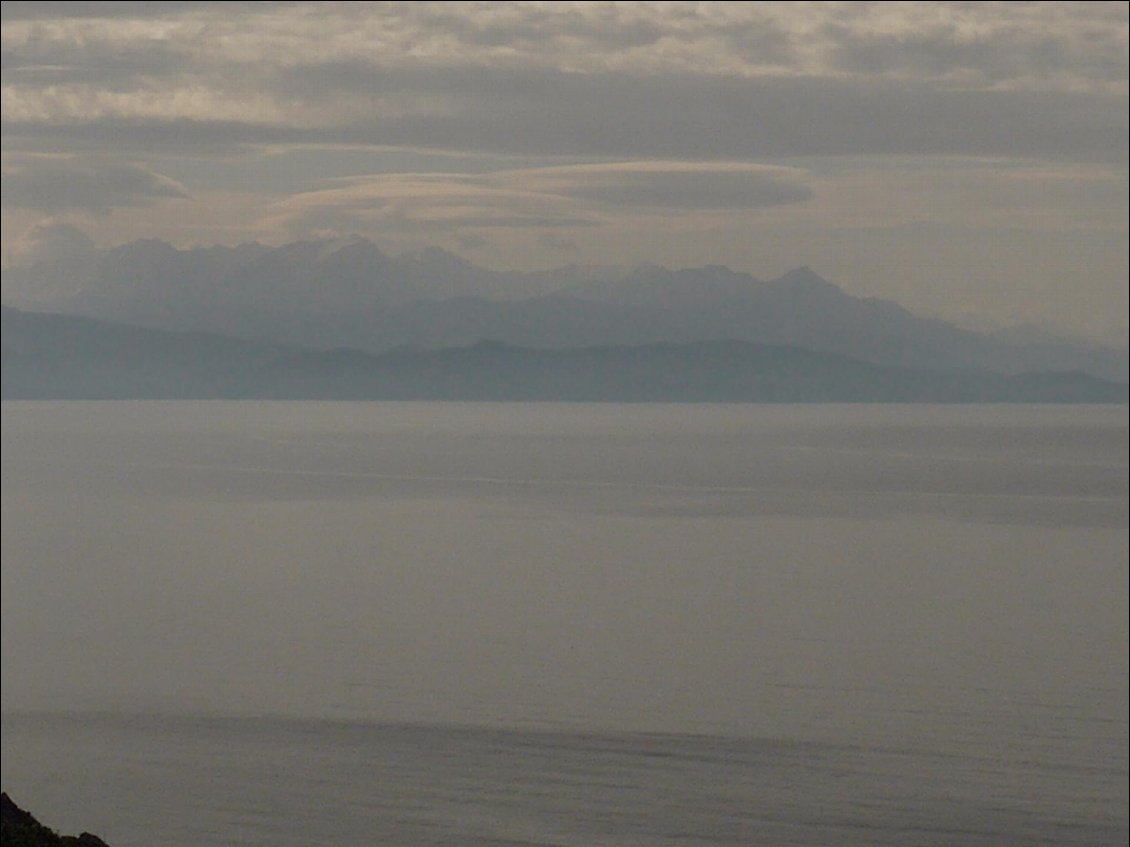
56,356
801,308
349,293
46,355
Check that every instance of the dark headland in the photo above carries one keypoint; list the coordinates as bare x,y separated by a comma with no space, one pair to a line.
20,829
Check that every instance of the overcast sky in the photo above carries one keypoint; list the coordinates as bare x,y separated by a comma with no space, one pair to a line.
966,159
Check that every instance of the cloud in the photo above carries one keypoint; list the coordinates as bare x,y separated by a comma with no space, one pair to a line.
15,10
1042,44
51,239
988,195
557,244
984,60
605,116
711,81
40,62
419,203
678,185
1063,46
537,198
51,185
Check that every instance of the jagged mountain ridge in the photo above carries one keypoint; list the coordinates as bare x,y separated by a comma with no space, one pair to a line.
323,293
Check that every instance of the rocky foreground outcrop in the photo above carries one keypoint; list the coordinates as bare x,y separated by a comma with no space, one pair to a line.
20,829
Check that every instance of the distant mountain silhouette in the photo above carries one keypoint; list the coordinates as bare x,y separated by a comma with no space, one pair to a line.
59,356
348,293
46,355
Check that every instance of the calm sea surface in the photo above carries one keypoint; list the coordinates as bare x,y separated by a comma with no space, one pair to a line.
566,624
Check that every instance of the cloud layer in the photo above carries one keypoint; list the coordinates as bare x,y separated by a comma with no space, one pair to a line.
578,79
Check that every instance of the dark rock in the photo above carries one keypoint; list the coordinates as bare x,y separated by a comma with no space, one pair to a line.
20,829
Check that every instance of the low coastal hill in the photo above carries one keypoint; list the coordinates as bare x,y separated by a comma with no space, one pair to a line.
48,356
20,829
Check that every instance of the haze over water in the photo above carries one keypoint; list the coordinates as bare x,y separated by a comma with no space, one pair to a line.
930,602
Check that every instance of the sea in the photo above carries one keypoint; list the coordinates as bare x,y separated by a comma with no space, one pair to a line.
276,624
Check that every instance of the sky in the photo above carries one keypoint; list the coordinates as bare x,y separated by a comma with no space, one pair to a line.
968,160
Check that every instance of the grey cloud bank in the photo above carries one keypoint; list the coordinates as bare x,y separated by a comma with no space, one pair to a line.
757,135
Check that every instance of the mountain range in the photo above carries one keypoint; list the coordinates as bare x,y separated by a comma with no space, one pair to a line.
51,356
329,294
